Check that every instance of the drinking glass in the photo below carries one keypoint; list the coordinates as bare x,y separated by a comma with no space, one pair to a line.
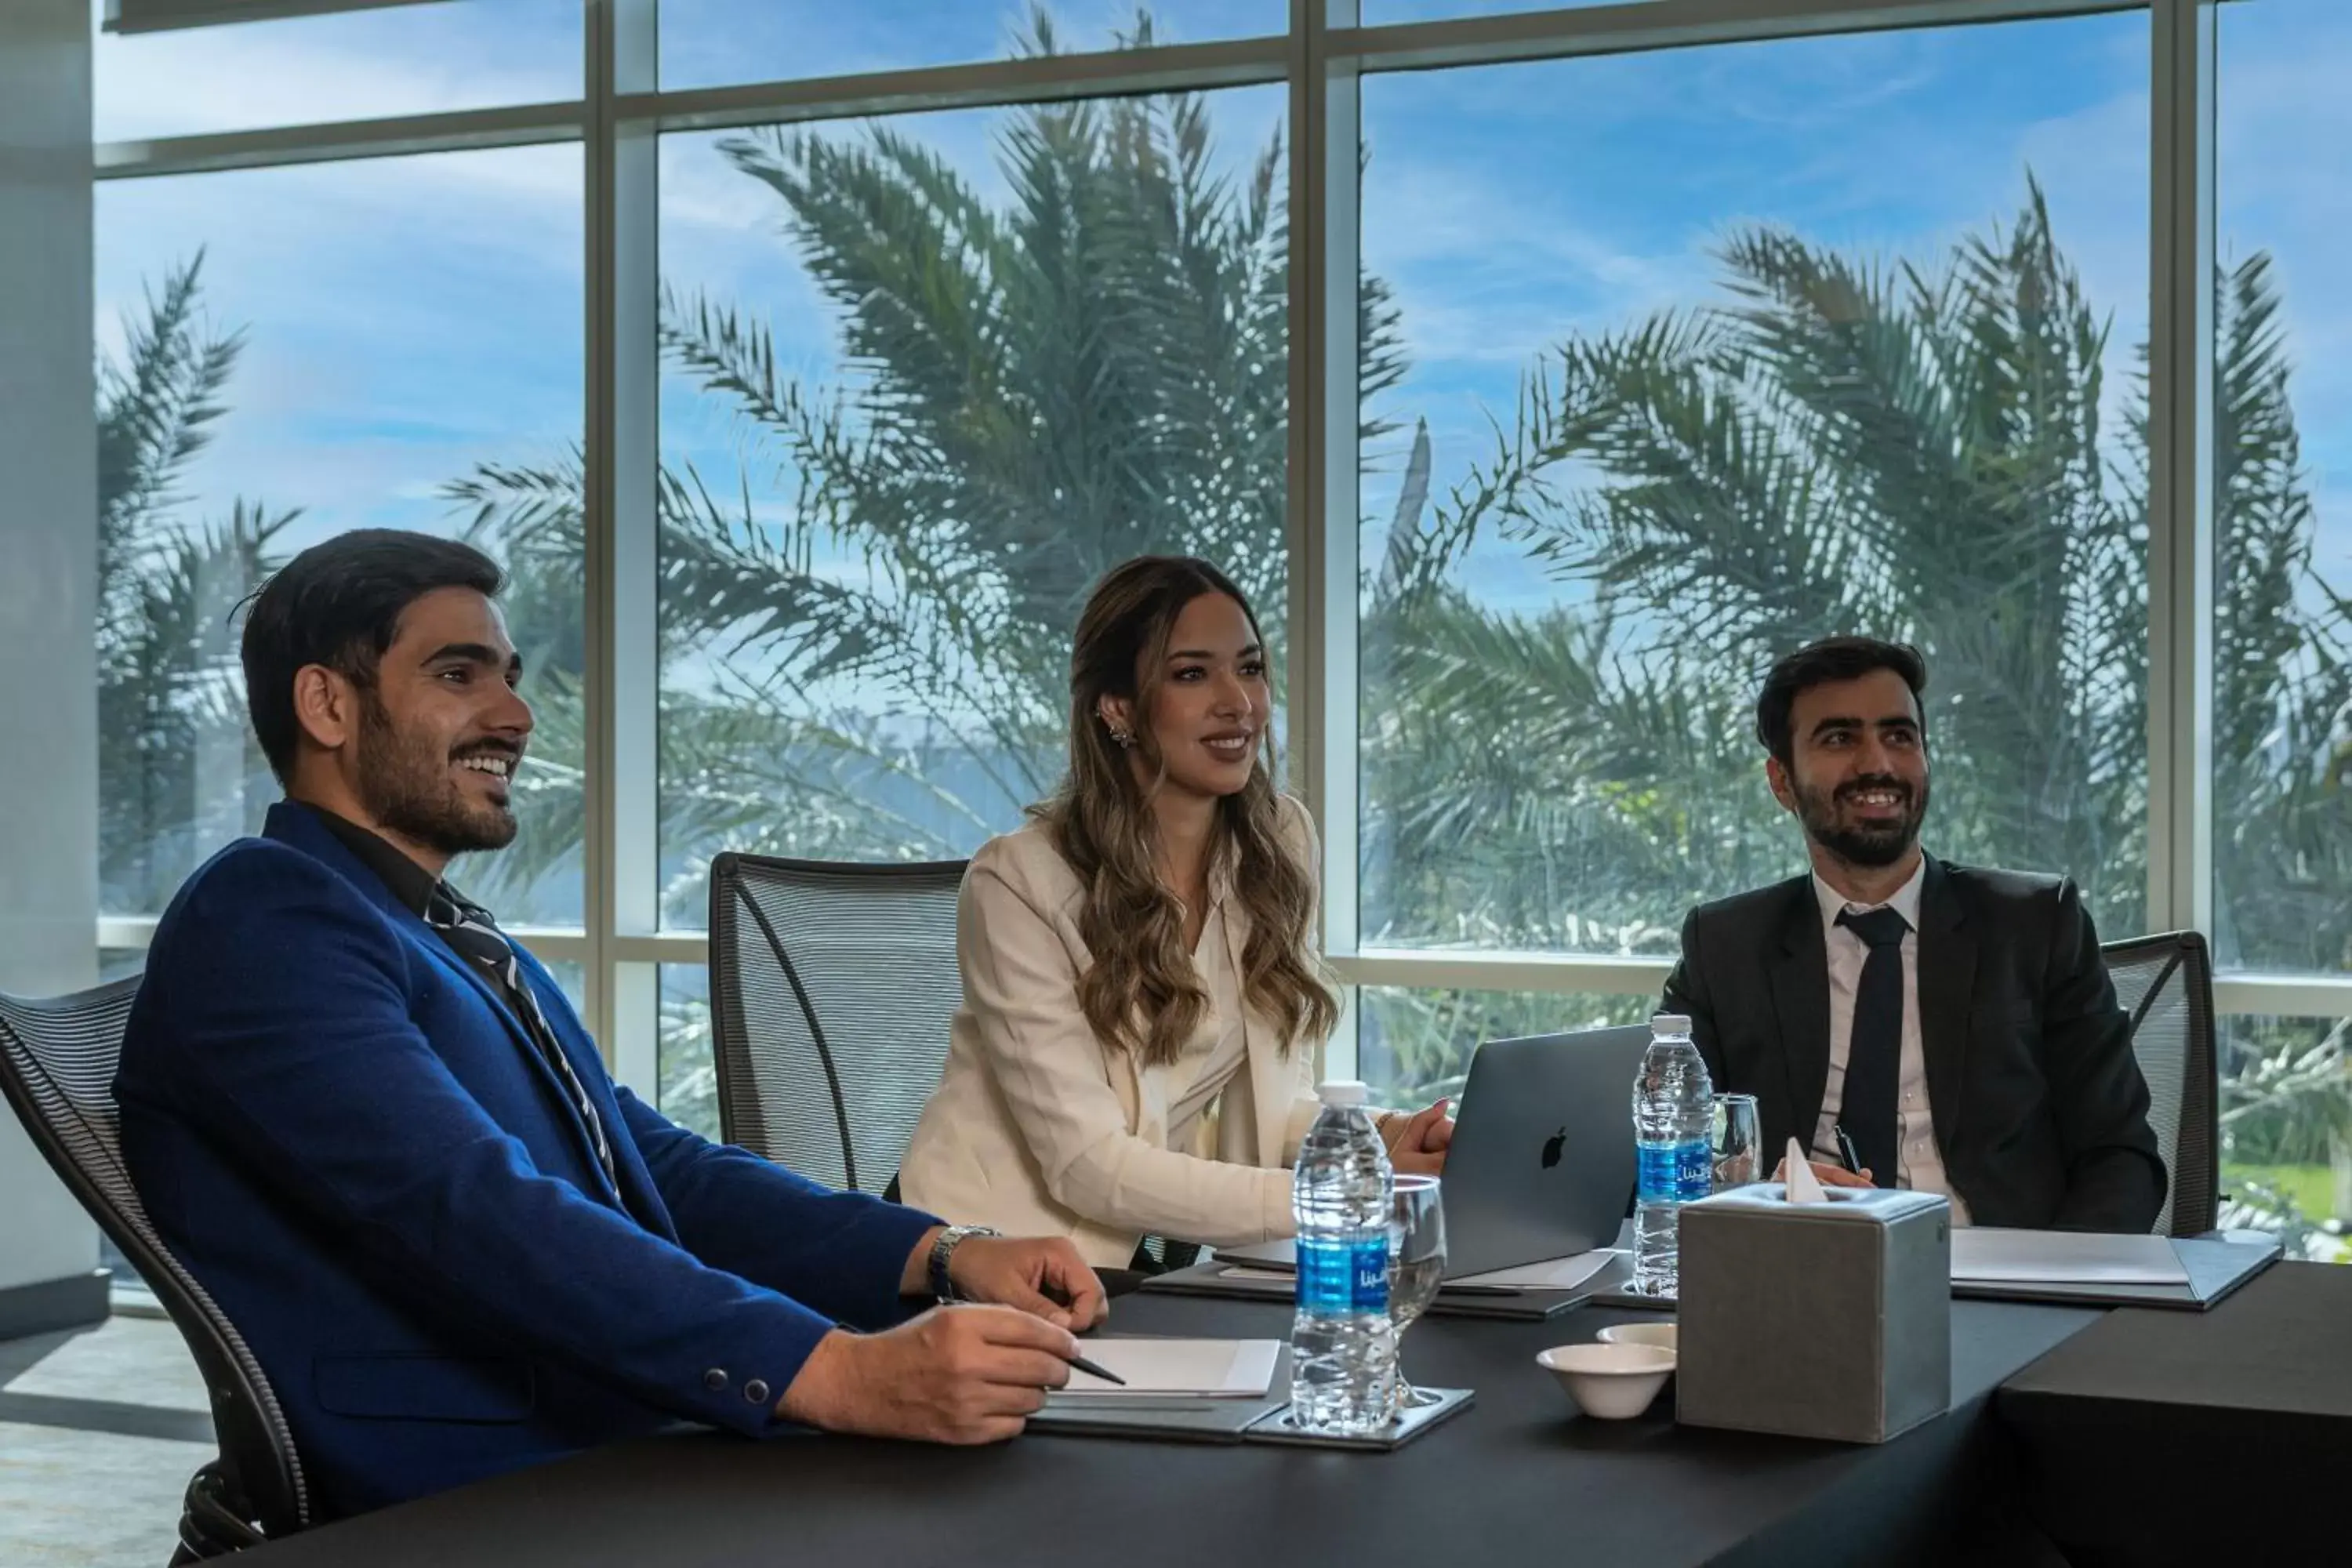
1416,1267
1735,1140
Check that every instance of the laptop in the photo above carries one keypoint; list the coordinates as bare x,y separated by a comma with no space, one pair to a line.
1542,1163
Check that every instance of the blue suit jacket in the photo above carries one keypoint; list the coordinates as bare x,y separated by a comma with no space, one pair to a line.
343,1132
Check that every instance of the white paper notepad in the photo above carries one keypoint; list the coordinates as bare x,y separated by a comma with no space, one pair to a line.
1553,1274
1983,1255
1211,1368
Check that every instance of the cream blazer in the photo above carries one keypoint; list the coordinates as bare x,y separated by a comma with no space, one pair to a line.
1037,1129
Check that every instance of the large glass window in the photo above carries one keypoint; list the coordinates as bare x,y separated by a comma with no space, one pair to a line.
287,353
341,65
1684,359
1669,362
2283,407
1414,1042
924,381
2287,1131
686,1065
712,43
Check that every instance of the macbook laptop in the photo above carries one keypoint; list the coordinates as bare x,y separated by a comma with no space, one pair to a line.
1543,1161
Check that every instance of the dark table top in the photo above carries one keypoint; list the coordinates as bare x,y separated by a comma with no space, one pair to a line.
1517,1473
2281,1346
2159,1437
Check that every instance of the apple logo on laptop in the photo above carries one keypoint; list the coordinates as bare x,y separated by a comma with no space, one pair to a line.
1552,1146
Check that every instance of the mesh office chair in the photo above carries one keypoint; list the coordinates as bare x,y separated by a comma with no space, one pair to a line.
2165,984
57,1069
832,987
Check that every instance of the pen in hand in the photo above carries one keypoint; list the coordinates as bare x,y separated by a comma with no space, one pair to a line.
1846,1154
1091,1369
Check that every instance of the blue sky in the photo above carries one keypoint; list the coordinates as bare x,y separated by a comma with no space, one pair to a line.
1515,206
408,318
709,43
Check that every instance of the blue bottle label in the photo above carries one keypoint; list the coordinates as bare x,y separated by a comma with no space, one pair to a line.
1677,1172
1344,1276
1695,1175
1372,1290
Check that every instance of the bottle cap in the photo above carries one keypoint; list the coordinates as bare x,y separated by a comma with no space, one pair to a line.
1343,1092
1669,1023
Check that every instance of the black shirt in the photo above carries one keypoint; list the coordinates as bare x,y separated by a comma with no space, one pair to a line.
410,883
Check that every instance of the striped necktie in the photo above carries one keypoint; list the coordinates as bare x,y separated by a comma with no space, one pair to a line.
468,928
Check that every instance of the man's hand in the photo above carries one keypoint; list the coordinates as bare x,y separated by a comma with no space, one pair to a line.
1420,1146
1831,1175
956,1375
1044,1275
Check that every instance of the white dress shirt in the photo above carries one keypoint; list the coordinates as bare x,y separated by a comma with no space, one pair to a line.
1918,1163
1216,1054
1038,1127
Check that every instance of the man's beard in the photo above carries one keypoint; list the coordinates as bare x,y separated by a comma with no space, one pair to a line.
1858,845
405,783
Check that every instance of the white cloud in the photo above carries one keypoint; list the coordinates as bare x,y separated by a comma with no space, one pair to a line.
353,66
438,296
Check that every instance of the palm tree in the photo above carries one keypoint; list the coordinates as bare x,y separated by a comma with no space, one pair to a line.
174,761
1039,386
1832,446
1038,389
1916,451
179,771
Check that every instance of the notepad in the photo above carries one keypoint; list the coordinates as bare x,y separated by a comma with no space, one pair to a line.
1207,1369
1552,1274
1983,1255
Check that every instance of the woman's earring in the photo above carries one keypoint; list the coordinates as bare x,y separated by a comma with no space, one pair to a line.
1120,736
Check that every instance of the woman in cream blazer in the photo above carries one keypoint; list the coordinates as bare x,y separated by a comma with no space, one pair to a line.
1042,1126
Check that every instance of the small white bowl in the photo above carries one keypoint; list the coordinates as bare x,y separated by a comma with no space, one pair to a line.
1614,1383
1659,1335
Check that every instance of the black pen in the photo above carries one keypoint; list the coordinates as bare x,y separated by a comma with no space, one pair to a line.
1846,1154
1091,1369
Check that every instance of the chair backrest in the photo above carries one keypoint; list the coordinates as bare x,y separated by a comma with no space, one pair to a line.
2165,984
57,1067
832,987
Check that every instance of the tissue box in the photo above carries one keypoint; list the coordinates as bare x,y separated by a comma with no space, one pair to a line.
1825,1319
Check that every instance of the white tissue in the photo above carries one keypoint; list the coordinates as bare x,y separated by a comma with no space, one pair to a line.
1804,1187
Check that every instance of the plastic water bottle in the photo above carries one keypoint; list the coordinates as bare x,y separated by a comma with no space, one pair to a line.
1342,1349
1673,1107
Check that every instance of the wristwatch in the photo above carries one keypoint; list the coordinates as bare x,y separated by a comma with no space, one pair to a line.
942,1248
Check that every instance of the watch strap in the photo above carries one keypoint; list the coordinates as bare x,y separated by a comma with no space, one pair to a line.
943,1247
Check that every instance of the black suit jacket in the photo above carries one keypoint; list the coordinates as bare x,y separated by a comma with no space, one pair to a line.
2041,1114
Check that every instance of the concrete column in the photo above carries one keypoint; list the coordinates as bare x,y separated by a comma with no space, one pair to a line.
48,571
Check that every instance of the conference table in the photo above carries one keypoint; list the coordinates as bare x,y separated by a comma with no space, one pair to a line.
2185,1436
1515,1477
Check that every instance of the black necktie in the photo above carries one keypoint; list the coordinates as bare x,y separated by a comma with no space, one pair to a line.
1874,1055
468,928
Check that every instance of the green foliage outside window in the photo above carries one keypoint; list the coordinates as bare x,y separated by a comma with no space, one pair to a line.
1037,387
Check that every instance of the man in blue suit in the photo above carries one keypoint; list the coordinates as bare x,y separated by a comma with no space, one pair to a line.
376,1133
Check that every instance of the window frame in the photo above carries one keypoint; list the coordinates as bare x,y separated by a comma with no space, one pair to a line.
1322,58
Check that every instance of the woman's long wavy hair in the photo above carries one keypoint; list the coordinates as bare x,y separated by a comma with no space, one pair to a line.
1140,994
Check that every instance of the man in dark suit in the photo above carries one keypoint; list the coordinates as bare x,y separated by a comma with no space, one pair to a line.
375,1132
1954,1028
